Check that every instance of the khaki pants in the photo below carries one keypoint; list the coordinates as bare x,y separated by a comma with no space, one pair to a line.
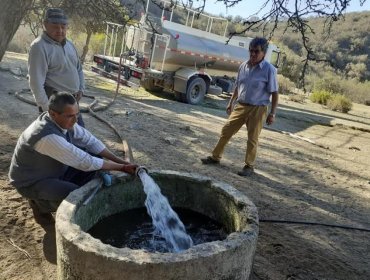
253,117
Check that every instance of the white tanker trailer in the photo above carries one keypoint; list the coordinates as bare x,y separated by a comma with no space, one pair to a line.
162,54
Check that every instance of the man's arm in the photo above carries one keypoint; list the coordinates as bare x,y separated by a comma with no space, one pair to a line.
229,107
59,149
81,77
272,87
37,69
274,102
94,145
106,153
128,167
79,94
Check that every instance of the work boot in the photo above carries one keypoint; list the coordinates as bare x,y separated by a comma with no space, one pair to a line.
40,217
246,171
209,160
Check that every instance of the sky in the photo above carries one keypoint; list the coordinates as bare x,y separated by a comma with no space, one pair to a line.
247,8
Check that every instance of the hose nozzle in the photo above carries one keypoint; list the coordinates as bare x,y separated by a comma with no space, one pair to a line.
139,169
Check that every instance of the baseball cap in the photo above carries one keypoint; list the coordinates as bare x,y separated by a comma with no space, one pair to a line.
55,15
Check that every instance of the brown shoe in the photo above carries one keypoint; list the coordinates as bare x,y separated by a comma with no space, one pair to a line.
41,218
246,171
209,160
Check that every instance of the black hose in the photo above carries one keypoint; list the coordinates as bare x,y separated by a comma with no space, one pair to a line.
32,102
24,99
313,224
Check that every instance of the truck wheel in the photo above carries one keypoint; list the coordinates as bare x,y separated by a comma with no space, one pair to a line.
126,72
148,84
195,90
107,68
215,90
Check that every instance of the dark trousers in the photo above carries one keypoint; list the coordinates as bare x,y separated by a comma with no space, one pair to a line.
49,193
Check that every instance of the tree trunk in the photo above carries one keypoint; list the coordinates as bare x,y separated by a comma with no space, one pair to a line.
86,47
11,15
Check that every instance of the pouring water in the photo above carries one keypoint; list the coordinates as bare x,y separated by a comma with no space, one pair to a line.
165,220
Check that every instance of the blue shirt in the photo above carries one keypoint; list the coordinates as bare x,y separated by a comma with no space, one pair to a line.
255,84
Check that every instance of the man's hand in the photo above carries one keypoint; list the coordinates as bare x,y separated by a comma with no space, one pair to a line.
229,109
129,168
270,119
78,95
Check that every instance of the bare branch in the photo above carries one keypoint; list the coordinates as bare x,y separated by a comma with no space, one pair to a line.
276,13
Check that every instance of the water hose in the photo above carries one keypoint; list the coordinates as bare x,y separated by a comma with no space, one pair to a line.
141,169
313,224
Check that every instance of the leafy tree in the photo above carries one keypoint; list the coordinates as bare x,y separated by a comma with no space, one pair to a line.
356,71
238,19
91,16
86,15
11,15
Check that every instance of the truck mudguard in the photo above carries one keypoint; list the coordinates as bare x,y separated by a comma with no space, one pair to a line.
183,75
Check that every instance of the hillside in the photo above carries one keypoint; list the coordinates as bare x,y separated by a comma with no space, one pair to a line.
346,49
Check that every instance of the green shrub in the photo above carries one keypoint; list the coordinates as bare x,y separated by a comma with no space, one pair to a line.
286,86
338,102
320,96
356,91
299,98
330,84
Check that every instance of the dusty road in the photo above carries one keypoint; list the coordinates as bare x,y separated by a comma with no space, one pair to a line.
295,180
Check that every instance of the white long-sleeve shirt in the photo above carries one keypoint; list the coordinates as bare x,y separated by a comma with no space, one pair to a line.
61,150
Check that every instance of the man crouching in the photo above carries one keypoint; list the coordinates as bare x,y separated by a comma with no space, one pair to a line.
55,156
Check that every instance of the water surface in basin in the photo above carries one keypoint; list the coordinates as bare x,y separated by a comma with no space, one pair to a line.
134,229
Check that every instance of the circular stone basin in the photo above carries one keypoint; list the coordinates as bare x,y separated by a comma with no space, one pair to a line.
80,256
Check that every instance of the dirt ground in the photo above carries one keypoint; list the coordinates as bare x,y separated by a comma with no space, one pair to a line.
325,181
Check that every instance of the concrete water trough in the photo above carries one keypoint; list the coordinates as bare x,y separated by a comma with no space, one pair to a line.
80,256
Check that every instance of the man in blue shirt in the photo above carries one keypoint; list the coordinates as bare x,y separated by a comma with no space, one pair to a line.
256,82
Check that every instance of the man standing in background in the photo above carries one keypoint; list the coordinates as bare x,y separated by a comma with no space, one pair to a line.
255,85
53,62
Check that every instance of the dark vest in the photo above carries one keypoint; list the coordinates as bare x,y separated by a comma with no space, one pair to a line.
29,166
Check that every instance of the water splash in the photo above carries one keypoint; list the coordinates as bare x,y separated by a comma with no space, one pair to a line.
165,220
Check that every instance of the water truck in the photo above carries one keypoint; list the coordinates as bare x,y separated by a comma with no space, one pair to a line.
184,57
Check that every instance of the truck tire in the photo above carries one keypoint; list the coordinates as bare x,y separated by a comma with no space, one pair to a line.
107,67
126,72
195,91
215,90
148,84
